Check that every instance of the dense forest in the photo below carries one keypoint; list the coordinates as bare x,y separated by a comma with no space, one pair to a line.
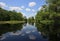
6,15
48,19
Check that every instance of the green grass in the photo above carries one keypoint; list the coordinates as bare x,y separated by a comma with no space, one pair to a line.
11,22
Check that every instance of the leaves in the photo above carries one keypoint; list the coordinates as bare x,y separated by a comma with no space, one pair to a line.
10,15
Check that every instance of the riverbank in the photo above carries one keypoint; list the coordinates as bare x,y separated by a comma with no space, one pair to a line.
11,22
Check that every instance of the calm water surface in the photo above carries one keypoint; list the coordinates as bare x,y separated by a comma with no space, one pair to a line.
25,32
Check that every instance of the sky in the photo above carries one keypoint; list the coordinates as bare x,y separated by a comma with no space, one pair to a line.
27,7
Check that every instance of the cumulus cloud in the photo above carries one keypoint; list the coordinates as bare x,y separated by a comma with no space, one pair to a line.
2,4
22,7
31,4
15,8
28,9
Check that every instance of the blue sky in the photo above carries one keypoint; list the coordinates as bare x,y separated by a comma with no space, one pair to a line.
27,7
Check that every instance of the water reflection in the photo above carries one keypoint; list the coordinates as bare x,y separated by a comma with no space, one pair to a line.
9,27
32,37
49,31
20,32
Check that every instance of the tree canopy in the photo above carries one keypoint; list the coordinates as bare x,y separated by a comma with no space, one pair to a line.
48,19
6,15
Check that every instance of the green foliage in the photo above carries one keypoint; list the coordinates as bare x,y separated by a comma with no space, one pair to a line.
48,19
4,14
31,20
25,19
10,15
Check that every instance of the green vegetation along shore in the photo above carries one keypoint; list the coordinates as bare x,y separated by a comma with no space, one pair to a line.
11,22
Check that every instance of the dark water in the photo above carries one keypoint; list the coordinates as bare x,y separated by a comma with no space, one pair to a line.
21,32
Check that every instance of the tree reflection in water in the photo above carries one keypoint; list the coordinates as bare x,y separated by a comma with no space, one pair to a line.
50,31
13,32
10,27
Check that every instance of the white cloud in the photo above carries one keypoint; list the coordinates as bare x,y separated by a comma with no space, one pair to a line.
30,15
15,8
31,4
22,7
33,10
2,4
28,9
39,8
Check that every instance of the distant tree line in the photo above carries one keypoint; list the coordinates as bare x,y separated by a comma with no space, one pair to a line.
31,20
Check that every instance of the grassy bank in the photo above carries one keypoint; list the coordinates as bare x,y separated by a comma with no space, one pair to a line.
11,22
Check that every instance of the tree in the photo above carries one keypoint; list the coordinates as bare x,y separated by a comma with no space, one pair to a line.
25,19
49,18
6,15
